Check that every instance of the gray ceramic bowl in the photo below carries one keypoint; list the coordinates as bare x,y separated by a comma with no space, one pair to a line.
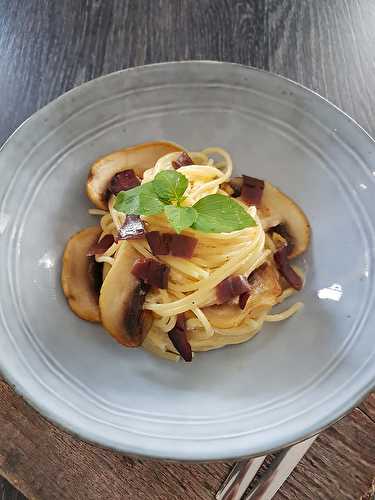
294,378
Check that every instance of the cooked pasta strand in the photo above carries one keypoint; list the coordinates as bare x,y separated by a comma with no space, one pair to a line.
192,283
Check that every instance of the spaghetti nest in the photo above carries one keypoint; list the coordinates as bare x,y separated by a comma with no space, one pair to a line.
192,284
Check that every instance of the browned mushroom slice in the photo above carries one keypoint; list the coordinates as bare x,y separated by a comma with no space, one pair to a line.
277,208
264,285
223,316
121,301
264,292
138,158
81,276
106,269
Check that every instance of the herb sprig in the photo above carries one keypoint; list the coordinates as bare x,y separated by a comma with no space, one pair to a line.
214,213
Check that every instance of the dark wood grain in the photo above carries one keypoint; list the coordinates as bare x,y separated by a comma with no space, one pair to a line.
9,492
339,464
47,463
329,47
368,407
49,46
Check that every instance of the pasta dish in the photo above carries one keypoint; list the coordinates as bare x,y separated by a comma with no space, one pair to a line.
185,257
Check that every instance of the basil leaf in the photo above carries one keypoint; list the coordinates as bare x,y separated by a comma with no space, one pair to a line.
140,200
128,201
180,217
220,214
170,185
149,203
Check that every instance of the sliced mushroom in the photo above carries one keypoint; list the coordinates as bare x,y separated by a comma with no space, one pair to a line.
279,208
265,289
223,316
121,301
276,208
138,158
106,269
81,275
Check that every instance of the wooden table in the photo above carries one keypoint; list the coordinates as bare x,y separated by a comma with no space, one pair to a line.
49,46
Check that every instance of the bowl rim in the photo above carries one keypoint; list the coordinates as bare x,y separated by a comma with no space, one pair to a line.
342,411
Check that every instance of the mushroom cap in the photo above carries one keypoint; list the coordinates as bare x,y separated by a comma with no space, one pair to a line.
120,294
138,158
265,290
77,280
278,206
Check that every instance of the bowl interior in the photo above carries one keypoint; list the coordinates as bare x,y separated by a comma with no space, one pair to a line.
280,386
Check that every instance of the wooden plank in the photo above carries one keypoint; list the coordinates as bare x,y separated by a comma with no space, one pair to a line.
47,463
339,465
328,47
370,493
47,48
368,406
9,492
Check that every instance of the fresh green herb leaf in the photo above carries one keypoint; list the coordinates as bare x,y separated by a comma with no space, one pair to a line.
214,213
149,203
170,185
180,217
141,200
220,214
128,201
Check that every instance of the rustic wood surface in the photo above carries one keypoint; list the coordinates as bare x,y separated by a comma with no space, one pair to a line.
50,46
